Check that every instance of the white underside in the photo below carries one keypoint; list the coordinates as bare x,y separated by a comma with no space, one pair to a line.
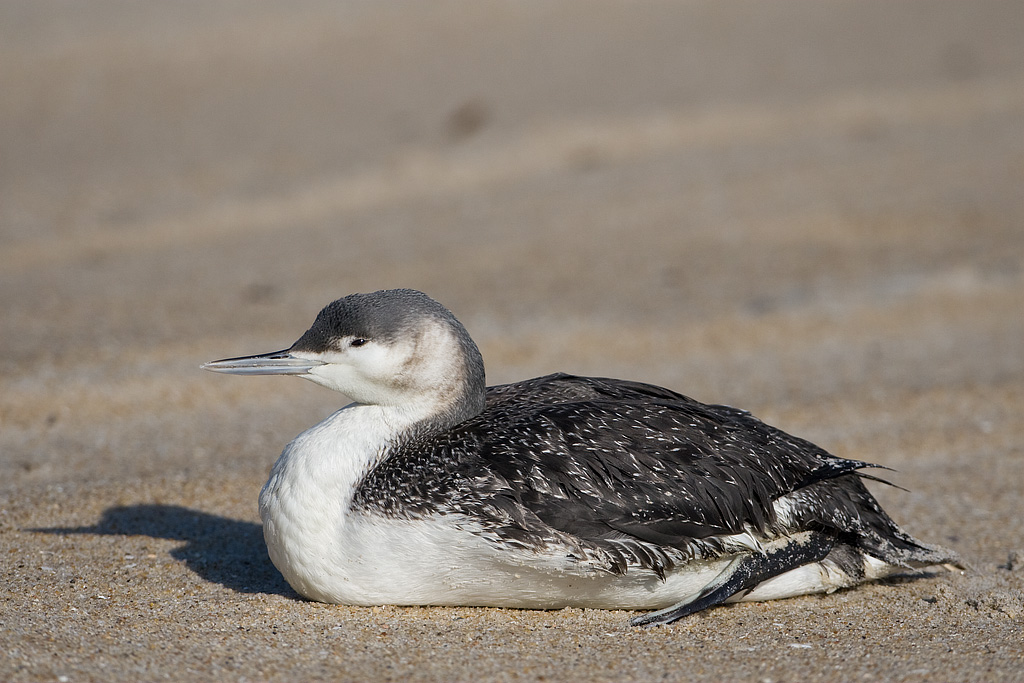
434,562
439,562
330,554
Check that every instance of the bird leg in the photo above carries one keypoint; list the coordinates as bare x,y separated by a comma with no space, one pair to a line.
743,574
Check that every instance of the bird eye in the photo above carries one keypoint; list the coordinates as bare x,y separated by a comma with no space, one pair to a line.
359,341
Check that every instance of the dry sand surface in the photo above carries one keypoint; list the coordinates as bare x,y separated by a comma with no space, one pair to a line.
812,210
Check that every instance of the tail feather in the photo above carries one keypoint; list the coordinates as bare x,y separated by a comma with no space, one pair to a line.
844,506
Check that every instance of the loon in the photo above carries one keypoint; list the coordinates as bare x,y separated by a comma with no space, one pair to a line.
560,491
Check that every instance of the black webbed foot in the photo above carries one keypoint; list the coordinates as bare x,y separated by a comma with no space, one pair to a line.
743,574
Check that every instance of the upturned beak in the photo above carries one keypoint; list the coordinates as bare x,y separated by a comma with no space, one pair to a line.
276,363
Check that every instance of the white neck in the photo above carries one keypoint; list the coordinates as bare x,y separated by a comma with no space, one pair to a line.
337,453
305,503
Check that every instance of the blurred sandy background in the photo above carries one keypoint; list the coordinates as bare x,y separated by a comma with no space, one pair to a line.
812,210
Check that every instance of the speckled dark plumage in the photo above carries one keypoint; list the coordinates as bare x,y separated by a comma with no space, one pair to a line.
632,474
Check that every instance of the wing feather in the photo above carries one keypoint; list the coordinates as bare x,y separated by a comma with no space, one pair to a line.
627,470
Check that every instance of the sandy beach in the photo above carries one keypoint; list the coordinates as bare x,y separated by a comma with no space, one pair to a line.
813,211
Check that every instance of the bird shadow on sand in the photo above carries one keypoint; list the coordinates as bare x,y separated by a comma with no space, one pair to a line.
221,550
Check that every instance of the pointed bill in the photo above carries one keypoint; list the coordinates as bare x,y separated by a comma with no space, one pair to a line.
276,363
